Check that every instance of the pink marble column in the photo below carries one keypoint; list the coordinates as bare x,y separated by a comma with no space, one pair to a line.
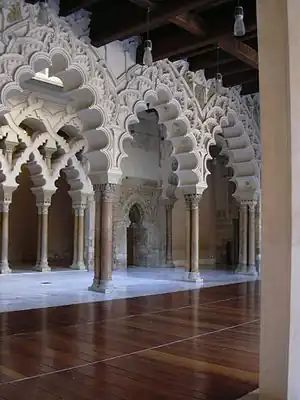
192,236
243,239
105,195
42,246
169,206
78,250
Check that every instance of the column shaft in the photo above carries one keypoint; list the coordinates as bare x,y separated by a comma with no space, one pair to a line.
78,251
192,237
4,266
243,240
169,233
105,196
42,241
252,263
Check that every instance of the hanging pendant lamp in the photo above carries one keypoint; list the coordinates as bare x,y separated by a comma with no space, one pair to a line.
219,77
239,29
42,17
147,58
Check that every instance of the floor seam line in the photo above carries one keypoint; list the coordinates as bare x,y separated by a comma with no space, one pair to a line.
129,354
129,316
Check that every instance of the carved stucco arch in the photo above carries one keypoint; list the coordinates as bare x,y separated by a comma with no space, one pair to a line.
227,119
27,48
162,87
132,200
42,175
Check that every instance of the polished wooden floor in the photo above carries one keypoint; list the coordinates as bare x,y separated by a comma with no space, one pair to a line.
200,344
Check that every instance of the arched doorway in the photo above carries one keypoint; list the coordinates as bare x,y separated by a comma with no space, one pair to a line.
61,226
135,236
23,224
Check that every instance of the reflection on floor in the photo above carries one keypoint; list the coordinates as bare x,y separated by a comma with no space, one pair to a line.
22,291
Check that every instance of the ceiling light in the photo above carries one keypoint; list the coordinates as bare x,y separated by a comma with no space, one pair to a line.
147,58
239,26
42,17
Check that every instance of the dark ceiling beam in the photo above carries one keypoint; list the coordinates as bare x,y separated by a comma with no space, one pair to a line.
239,50
219,27
227,69
250,88
209,60
235,47
189,23
103,31
67,7
240,78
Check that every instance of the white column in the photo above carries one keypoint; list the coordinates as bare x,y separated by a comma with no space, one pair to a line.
252,262
4,266
89,233
279,60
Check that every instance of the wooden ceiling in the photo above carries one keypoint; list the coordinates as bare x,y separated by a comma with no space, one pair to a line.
190,29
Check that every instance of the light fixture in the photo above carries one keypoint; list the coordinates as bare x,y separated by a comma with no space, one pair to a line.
42,17
219,77
239,26
147,58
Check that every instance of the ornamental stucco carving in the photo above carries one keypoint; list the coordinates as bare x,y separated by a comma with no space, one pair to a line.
103,107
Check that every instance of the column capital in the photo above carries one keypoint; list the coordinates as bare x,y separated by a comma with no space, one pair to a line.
43,207
79,209
192,201
105,191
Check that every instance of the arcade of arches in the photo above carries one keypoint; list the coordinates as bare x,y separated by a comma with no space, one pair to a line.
125,165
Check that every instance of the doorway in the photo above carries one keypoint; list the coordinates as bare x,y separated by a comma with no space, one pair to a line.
134,237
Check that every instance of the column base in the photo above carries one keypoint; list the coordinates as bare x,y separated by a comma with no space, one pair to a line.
4,268
42,267
78,266
169,265
251,396
193,277
101,286
242,269
252,270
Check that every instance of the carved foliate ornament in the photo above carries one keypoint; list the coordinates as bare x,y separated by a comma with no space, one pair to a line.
192,201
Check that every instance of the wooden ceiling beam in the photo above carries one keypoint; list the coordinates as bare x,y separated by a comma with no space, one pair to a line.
209,60
239,50
240,78
160,16
227,69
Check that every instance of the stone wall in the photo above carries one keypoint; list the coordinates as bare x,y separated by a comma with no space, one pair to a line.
146,195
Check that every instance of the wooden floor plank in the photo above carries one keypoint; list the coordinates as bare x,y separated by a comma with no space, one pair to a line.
201,344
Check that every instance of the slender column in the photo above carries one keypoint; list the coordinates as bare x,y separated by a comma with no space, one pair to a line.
105,197
89,233
258,236
4,266
78,251
169,232
279,75
42,248
192,235
243,239
252,263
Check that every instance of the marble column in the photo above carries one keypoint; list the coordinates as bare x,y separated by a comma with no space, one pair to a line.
252,262
169,206
279,83
42,245
243,239
78,247
258,235
89,233
4,265
105,196
192,237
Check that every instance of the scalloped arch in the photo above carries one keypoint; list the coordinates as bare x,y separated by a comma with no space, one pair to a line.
86,81
161,87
